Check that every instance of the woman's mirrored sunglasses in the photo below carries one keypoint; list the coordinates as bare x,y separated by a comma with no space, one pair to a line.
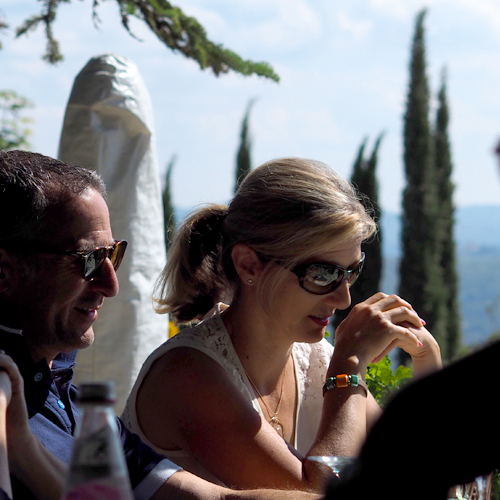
320,278
92,261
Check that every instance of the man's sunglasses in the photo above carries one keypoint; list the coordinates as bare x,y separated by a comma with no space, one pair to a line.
92,261
319,278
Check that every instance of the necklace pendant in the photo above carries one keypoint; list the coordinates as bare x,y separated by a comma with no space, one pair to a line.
277,425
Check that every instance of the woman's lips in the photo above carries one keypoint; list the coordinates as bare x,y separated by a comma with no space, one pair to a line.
321,320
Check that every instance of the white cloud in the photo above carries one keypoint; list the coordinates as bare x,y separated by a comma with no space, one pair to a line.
488,10
274,26
401,9
355,28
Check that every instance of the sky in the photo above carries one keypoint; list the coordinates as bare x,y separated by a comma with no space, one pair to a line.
344,77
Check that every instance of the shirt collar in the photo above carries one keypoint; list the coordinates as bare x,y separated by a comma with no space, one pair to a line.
12,341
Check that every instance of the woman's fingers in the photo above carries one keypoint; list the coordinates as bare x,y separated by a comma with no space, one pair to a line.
386,303
385,352
402,314
396,309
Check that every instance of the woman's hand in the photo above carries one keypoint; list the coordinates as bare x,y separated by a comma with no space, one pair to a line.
427,358
376,326
370,331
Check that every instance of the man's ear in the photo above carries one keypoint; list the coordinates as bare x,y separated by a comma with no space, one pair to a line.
247,263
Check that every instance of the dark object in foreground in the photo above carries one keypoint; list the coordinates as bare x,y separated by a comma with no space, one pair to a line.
450,443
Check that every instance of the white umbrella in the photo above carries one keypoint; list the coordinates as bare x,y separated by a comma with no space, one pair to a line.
108,127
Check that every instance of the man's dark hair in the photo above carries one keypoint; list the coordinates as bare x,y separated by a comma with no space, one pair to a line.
30,185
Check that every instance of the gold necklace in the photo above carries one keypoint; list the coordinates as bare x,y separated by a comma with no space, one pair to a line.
275,422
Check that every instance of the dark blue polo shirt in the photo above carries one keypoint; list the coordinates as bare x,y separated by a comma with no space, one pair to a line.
50,396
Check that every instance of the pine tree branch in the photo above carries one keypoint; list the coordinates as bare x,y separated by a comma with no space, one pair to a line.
3,26
176,30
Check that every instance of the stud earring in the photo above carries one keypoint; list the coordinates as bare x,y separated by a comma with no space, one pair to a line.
250,282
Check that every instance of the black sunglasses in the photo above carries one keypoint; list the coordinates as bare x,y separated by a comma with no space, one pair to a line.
319,278
92,260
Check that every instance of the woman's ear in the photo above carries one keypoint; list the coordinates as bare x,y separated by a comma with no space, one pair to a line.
247,263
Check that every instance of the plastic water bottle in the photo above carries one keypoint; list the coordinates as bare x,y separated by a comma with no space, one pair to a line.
97,469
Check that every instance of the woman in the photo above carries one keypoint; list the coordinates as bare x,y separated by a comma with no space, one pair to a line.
238,398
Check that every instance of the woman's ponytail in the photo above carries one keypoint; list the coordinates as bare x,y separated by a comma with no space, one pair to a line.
192,281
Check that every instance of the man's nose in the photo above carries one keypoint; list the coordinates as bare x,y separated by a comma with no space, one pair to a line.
106,280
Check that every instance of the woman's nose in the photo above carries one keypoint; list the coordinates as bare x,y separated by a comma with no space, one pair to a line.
340,297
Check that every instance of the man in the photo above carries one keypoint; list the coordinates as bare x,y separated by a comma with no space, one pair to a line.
57,265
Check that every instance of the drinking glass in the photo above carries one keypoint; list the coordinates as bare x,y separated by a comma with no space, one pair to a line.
337,464
479,489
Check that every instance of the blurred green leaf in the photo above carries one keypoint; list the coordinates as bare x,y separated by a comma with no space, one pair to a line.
383,382
14,128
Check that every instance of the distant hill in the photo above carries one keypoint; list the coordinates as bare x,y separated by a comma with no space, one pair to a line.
477,236
477,230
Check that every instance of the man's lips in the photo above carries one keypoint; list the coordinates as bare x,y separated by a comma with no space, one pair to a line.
90,312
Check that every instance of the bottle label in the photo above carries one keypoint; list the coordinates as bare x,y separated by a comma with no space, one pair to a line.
94,457
104,489
98,469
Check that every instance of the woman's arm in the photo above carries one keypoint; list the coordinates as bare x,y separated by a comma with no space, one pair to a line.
185,486
188,400
370,331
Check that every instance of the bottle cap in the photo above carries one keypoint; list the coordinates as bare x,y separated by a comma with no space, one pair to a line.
96,392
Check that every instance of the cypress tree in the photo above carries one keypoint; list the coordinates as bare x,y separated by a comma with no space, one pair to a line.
444,167
421,281
243,157
365,179
168,209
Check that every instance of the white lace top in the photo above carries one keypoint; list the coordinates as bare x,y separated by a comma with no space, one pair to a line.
211,337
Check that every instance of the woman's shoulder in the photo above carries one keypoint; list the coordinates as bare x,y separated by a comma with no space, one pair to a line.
211,337
210,332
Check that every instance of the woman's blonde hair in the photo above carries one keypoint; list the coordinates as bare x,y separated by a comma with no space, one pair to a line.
286,210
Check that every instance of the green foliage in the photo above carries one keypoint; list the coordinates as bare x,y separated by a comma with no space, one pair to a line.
383,382
243,157
168,209
3,26
14,130
176,30
495,486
